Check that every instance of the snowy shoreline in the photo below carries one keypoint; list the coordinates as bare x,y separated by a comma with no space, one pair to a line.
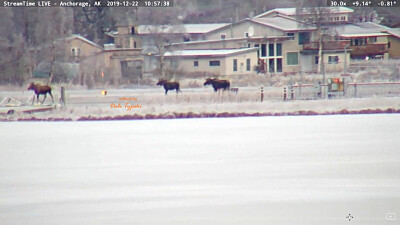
191,115
199,106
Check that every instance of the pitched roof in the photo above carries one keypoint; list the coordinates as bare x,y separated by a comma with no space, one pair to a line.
283,23
208,53
279,22
77,36
304,11
176,29
367,29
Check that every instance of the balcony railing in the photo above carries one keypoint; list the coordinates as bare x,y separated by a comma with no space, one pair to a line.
326,45
370,49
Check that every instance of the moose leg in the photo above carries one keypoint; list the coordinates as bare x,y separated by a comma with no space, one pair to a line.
37,98
45,95
166,91
52,99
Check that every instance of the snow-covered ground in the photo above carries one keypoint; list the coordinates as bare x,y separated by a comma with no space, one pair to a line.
266,170
84,103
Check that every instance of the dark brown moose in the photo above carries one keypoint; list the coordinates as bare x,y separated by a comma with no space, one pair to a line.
218,84
40,90
169,85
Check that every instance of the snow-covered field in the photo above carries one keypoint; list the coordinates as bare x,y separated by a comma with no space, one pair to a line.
265,170
200,101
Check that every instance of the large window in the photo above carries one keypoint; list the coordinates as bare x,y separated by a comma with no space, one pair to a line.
278,49
292,58
248,64
234,65
196,63
215,63
279,65
271,49
271,65
263,50
304,37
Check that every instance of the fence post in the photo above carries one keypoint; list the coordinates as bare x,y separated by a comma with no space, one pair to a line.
62,100
284,93
262,94
355,90
300,94
291,93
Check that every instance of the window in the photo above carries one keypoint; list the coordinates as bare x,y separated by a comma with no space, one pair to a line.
316,58
304,37
132,30
271,65
388,44
279,65
333,59
359,41
372,40
196,63
246,34
258,50
134,44
214,63
248,45
271,49
75,51
290,34
263,50
292,58
248,64
343,18
223,36
279,49
234,65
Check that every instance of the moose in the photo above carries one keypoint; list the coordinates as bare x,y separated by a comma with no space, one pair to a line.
218,84
169,85
40,90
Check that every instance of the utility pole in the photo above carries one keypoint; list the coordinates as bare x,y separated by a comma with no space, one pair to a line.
231,27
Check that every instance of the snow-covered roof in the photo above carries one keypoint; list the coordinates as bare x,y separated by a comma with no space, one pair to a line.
77,36
176,29
304,11
206,52
395,32
282,23
368,29
230,40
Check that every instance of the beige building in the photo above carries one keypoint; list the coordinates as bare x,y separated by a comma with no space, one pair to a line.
279,39
394,44
78,47
225,62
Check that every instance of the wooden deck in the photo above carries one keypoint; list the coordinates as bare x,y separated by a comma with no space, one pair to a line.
4,110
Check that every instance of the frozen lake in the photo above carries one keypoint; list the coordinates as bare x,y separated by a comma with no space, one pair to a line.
267,170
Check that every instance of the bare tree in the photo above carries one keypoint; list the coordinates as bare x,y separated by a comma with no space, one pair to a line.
164,26
314,13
